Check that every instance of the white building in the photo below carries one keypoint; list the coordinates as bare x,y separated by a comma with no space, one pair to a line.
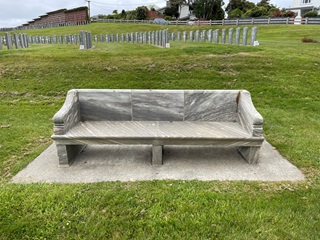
300,7
185,12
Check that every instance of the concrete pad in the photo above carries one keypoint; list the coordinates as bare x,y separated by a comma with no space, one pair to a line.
101,163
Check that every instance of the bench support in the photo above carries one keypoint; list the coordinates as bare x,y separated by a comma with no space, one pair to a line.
157,155
68,153
250,154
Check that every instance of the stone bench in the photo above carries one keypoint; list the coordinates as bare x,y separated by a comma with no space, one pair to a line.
157,118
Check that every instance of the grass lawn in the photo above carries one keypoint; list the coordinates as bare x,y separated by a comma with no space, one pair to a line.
283,76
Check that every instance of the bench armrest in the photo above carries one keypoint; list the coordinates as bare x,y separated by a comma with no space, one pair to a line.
69,114
248,116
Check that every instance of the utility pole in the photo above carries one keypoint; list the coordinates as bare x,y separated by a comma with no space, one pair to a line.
88,8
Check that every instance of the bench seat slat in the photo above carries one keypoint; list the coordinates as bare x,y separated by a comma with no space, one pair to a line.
158,132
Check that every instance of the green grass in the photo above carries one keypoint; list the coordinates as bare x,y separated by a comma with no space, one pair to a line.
283,77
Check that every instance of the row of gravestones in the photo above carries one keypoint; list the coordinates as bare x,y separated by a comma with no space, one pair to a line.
158,38
162,37
83,39
17,40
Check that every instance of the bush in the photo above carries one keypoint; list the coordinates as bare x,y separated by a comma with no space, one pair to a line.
275,12
311,14
288,14
257,12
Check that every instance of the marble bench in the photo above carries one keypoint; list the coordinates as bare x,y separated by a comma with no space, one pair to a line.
157,118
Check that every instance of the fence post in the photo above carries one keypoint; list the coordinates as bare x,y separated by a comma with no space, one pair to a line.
252,21
287,22
306,20
269,19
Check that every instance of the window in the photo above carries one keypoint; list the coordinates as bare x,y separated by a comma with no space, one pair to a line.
306,1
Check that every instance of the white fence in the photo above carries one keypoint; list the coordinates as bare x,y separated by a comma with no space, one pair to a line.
239,21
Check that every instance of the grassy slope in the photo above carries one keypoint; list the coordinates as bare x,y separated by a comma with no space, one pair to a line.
283,77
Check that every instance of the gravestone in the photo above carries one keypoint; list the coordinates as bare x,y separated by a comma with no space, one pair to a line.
184,36
21,40
173,36
237,36
216,36
254,32
203,36
245,36
197,36
191,36
160,38
230,37
223,36
157,38
16,40
1,43
101,38
210,35
8,40
179,36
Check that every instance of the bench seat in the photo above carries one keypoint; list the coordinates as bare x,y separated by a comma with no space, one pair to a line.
157,118
156,132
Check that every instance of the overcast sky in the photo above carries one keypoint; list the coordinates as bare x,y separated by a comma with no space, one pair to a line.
17,12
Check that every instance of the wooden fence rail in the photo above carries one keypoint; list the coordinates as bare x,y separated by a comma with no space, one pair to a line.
239,21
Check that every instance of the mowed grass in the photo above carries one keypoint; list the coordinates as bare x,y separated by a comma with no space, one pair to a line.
283,76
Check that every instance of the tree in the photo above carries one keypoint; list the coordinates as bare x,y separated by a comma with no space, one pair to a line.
235,13
208,9
115,11
172,12
265,4
242,5
141,12
123,14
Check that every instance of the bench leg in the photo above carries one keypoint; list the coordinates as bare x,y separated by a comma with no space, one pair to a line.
250,154
68,153
157,155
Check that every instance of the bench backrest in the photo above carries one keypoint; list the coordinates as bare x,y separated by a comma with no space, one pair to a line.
158,105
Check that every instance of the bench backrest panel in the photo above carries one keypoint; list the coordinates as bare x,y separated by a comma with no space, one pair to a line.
158,105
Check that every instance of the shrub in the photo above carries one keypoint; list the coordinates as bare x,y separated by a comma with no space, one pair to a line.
257,12
275,12
289,14
311,14
309,40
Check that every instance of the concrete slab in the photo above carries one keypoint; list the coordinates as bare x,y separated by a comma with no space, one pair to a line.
101,163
